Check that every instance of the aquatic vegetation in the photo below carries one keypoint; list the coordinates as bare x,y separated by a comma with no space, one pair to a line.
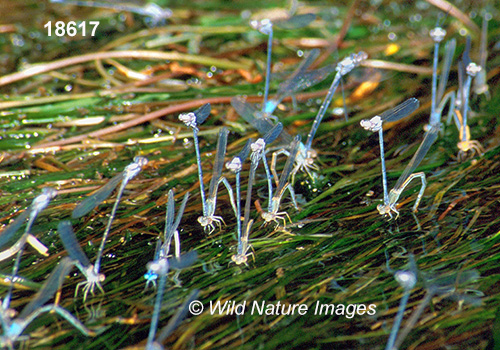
75,122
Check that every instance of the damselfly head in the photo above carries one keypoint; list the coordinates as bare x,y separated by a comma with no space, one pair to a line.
265,26
234,165
472,69
406,279
189,119
373,124
437,34
258,146
140,161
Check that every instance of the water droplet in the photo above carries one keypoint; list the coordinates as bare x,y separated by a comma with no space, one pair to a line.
17,40
246,14
186,143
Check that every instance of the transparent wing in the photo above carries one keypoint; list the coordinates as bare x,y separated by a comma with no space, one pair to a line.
289,165
170,216
248,112
273,134
219,162
313,77
251,114
51,285
400,111
71,244
184,261
7,234
180,212
173,323
96,198
429,138
483,53
202,113
461,85
295,22
297,81
448,58
245,151
466,54
480,85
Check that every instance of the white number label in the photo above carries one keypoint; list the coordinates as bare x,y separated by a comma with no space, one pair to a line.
71,28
